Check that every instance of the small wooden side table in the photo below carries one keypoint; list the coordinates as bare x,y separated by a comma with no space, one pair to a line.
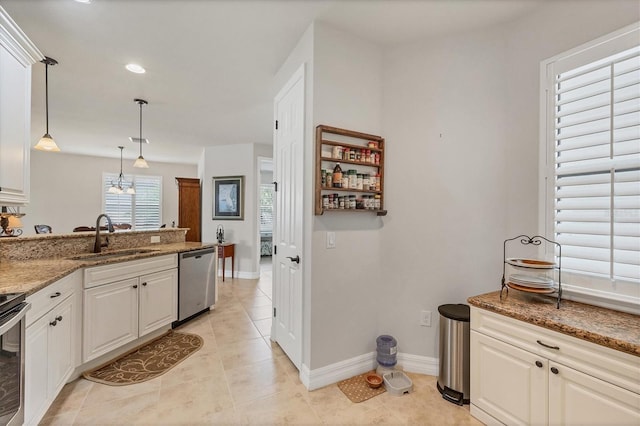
226,250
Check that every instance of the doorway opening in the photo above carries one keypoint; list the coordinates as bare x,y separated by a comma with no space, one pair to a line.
265,215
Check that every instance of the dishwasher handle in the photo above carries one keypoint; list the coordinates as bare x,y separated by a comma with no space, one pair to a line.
196,253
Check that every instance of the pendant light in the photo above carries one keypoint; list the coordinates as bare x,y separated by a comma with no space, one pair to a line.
141,162
117,188
46,143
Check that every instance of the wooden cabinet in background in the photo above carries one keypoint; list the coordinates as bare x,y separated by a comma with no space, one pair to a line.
189,207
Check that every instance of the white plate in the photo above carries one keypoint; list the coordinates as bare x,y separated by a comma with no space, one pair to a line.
530,263
531,281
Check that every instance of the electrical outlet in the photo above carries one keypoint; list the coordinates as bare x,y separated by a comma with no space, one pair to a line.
425,318
155,238
331,240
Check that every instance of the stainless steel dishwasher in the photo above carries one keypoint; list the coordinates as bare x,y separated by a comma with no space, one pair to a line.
196,283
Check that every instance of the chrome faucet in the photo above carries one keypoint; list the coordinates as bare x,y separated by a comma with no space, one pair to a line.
97,247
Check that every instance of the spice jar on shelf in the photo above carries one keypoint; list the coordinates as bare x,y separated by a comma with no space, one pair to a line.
337,152
337,176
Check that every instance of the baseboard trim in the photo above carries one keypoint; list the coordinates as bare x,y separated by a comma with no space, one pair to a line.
333,373
324,376
418,364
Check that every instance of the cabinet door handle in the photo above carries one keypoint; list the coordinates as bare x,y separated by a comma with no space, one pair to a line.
59,318
557,348
144,284
538,364
53,323
135,286
56,294
554,370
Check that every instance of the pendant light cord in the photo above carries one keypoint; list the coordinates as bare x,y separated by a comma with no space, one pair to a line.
46,93
140,129
121,176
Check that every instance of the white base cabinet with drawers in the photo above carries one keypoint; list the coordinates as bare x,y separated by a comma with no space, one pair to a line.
52,339
128,300
522,374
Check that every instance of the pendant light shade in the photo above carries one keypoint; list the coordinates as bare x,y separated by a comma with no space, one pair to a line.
140,161
46,143
117,187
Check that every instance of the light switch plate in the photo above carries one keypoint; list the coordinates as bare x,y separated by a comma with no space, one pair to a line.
331,240
155,238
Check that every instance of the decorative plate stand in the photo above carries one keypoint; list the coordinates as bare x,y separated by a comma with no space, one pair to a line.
531,265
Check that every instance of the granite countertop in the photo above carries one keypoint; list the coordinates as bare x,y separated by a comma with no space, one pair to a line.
29,276
606,327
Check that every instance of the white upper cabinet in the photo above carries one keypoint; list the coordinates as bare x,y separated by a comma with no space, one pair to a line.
17,55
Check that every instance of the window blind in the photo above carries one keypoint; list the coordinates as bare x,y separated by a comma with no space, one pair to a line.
266,208
143,210
597,166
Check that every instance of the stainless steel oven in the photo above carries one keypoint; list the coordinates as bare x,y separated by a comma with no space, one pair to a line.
13,309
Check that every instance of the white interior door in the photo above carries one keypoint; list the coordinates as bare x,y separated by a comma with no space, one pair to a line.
287,237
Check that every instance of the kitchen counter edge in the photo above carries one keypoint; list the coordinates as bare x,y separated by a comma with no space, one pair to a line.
30,276
613,329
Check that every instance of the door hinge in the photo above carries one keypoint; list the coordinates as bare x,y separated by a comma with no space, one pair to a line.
275,186
276,124
274,312
275,249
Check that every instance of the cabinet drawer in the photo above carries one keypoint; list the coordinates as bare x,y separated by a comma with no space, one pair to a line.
612,366
51,296
122,270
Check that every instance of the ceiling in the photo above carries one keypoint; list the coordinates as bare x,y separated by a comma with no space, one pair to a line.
210,64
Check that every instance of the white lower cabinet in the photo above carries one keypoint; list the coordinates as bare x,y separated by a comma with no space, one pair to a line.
51,341
506,383
158,301
526,375
110,317
126,301
577,398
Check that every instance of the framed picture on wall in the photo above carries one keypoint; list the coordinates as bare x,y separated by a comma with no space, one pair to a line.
228,198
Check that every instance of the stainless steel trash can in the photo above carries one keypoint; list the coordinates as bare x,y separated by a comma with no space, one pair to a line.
453,377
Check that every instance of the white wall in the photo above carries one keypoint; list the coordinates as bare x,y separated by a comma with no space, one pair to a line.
445,184
234,160
461,122
66,189
345,280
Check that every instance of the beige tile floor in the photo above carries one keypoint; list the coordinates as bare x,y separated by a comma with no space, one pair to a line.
241,377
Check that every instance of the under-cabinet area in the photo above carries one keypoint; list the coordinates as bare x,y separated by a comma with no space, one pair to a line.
349,171
524,374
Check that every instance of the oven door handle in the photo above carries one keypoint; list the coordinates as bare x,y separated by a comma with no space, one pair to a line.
14,316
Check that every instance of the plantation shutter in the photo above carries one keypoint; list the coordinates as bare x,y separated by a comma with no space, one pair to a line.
597,164
266,207
143,210
148,202
117,207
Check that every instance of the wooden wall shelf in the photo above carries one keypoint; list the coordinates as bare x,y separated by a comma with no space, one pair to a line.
326,159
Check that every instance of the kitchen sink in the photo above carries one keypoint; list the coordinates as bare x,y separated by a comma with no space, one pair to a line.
110,254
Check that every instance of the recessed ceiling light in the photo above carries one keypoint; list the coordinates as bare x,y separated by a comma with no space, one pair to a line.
84,1
135,68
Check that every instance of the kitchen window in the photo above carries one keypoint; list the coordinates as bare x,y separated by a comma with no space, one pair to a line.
590,186
143,210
